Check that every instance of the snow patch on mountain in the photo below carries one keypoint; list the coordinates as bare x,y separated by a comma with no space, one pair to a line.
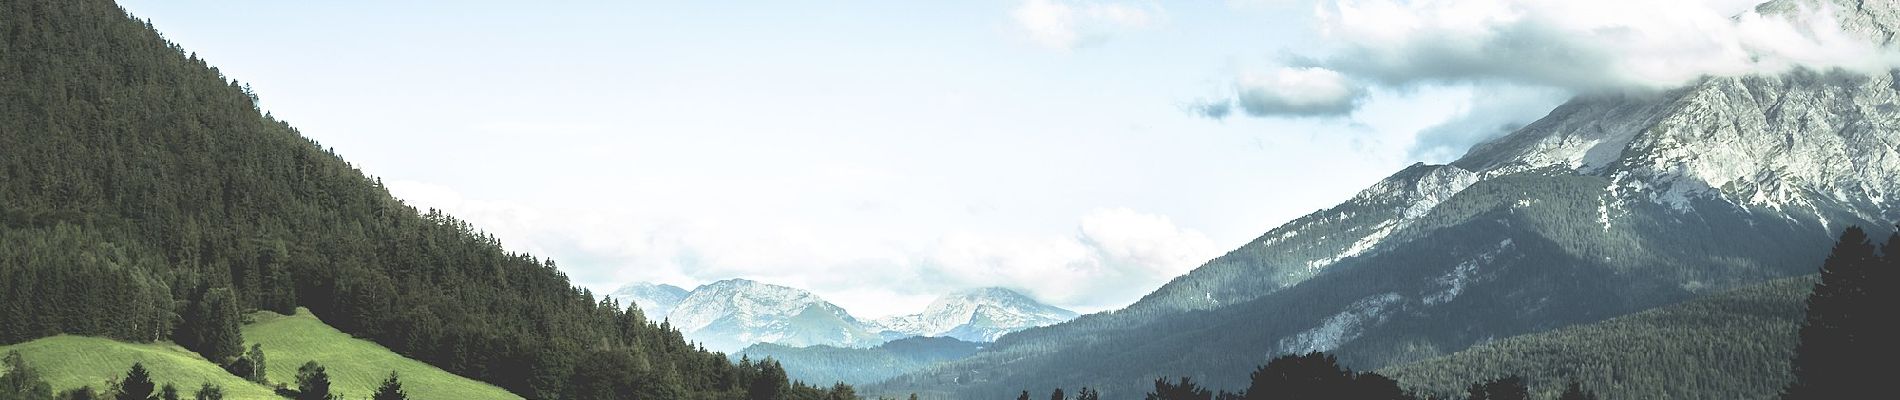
731,314
1342,327
980,315
654,300
1455,281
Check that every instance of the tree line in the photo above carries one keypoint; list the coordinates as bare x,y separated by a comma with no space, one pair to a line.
22,381
148,198
1847,332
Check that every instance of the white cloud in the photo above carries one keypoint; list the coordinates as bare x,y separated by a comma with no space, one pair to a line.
1289,91
1114,256
1584,45
1486,112
1519,58
1067,24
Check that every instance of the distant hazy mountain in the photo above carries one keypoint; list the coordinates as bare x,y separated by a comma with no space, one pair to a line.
731,314
980,315
655,300
1611,204
859,366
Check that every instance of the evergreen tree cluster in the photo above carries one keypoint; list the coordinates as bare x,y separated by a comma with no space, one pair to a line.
1849,330
147,198
1318,376
20,381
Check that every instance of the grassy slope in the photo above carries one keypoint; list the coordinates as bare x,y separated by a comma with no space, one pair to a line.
1731,345
356,366
73,361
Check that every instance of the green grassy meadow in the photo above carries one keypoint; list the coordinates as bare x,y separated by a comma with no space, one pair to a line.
356,366
69,362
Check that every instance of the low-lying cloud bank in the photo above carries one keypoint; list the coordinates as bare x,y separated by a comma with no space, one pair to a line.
1576,47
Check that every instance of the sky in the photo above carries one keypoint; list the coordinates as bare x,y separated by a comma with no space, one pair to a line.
881,153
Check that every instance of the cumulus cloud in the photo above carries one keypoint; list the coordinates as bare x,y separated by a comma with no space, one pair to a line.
1116,256
1490,111
1291,91
1585,45
1521,57
1113,256
1068,24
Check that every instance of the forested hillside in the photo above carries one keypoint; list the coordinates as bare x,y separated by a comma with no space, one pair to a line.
1732,345
862,366
145,197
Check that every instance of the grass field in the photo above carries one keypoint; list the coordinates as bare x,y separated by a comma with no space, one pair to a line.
356,366
69,362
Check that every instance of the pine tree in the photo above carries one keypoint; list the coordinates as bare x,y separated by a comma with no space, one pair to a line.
313,382
1087,394
1507,388
1575,392
82,393
211,326
209,391
1058,395
1186,389
168,392
137,384
391,389
1832,353
1024,396
19,381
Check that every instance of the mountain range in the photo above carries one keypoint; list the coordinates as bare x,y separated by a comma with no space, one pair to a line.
732,314
1611,204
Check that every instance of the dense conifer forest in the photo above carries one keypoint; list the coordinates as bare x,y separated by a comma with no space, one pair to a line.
1845,333
147,198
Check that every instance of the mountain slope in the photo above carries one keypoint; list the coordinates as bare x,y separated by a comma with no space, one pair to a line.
1731,345
356,366
819,364
979,315
137,176
728,315
655,300
69,362
1609,205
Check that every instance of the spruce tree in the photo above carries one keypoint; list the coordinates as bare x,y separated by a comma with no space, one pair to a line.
1087,394
313,382
82,393
168,392
137,384
19,381
1024,396
1833,350
1057,395
1575,392
1507,388
391,389
209,391
1185,389
211,325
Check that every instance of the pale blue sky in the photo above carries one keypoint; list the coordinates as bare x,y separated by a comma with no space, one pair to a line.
879,153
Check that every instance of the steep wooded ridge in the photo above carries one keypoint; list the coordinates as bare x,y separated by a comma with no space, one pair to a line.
1664,353
143,197
1609,205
